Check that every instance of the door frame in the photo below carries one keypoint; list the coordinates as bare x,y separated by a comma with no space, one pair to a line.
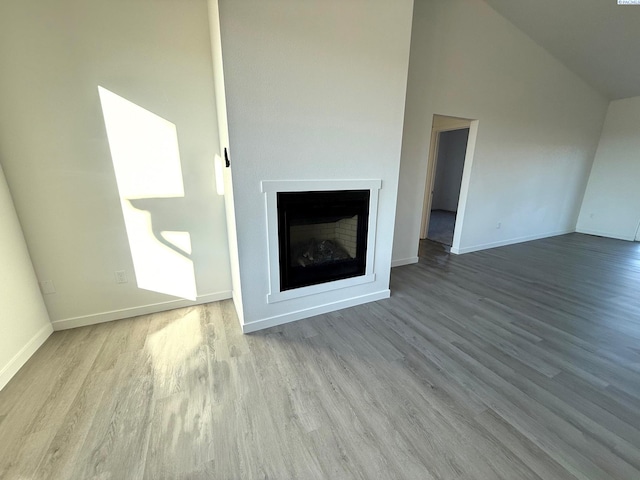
445,123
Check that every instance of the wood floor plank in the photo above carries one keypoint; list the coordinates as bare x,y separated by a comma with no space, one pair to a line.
66,445
116,444
521,362
35,367
526,450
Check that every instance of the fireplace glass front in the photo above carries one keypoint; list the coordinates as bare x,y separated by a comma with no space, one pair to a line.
322,236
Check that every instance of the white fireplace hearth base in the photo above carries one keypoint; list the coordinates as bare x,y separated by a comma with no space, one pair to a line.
312,311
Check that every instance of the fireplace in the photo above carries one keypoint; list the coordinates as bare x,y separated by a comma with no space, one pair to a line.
322,236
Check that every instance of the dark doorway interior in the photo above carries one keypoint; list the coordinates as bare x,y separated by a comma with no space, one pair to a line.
452,148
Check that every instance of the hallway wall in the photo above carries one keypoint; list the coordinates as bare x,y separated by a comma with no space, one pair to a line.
452,147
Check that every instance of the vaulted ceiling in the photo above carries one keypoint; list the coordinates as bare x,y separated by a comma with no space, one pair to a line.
598,39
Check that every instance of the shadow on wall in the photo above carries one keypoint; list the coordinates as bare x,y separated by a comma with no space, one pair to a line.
158,214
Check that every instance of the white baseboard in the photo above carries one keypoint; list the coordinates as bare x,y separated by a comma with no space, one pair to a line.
102,317
404,261
310,312
25,353
504,243
606,234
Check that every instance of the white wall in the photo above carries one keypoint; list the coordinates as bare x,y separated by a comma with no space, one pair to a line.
611,205
537,132
452,147
223,135
24,322
54,147
315,90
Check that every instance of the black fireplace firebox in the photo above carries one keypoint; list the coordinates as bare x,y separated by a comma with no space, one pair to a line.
322,236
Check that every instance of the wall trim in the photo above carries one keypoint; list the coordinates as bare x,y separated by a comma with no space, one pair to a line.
109,316
310,312
275,186
504,243
597,233
25,353
320,288
404,261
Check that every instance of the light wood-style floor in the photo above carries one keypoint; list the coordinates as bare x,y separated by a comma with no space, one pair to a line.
521,362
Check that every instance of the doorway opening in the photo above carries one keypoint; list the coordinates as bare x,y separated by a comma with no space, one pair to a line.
448,171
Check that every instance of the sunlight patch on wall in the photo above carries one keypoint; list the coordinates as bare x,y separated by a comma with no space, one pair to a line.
146,160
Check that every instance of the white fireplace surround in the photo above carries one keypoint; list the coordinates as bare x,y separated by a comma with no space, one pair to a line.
271,188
